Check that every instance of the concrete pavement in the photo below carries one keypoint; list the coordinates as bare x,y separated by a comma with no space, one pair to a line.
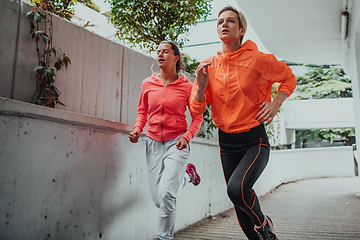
319,209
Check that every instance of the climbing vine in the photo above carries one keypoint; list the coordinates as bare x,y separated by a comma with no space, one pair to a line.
50,58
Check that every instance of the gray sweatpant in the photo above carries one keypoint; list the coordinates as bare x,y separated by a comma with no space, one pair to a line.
166,170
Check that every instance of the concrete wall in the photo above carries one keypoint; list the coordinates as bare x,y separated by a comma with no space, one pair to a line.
296,164
103,80
69,176
319,113
65,175
351,61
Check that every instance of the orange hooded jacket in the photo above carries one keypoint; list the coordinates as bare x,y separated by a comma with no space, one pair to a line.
164,106
238,83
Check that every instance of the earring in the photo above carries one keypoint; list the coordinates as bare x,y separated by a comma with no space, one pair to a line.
152,67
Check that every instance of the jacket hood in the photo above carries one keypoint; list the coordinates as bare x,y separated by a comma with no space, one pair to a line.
155,77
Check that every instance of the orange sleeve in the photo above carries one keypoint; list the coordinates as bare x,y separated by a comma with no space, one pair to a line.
277,71
197,108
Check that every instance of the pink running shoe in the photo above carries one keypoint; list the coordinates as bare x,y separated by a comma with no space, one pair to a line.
194,176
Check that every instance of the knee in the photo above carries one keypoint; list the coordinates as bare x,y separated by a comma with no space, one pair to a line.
234,192
237,193
167,200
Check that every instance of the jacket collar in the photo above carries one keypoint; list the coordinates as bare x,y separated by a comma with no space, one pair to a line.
246,46
156,78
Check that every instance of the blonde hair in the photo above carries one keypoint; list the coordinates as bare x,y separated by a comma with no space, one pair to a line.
241,18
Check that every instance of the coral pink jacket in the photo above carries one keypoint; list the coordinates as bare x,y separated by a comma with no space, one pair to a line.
238,83
163,108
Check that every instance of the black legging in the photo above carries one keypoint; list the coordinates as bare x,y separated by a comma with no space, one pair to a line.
244,156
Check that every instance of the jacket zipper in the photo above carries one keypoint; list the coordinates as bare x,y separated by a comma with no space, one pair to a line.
162,116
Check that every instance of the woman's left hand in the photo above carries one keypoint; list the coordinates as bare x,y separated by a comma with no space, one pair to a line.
268,110
182,143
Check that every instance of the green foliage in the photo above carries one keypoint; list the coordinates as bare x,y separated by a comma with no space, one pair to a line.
148,22
62,8
273,129
208,123
91,5
191,64
46,93
308,136
273,132
325,81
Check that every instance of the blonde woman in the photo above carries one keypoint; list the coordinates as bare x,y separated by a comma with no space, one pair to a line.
237,83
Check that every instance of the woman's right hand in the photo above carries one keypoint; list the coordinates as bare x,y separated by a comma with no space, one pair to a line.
202,78
134,136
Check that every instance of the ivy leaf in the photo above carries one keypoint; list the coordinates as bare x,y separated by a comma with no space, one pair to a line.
29,13
45,38
51,72
39,32
43,72
37,17
55,50
38,67
66,60
43,16
48,51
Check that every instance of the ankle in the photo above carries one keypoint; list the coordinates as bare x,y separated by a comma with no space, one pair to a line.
262,225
